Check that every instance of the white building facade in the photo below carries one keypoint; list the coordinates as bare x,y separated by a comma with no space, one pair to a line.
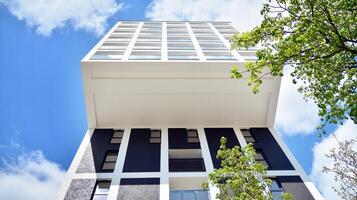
159,98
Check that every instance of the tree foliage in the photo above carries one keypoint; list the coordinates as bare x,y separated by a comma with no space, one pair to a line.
318,38
240,176
344,169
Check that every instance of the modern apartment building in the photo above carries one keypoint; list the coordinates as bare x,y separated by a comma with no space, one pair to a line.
159,98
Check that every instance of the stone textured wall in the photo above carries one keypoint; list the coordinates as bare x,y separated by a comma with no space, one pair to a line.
139,188
96,150
80,189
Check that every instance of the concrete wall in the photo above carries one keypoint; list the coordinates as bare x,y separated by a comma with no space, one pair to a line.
139,189
80,189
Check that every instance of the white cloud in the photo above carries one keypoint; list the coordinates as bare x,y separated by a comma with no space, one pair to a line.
245,14
322,180
48,15
30,176
294,115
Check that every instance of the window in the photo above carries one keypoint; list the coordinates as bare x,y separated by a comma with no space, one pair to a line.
110,160
145,55
218,55
117,137
180,46
259,157
101,190
247,136
107,55
182,55
155,136
276,189
192,136
114,46
248,54
147,46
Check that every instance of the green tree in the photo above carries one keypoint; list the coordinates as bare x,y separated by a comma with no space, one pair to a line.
240,176
318,38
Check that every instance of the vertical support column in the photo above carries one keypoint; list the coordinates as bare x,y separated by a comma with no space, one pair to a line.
195,43
132,42
164,42
74,165
207,159
226,43
240,137
164,168
115,184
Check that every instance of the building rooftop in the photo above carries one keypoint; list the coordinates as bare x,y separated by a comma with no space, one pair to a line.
169,41
148,74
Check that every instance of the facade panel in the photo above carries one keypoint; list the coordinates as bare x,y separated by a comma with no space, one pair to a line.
142,156
274,155
214,136
295,186
143,189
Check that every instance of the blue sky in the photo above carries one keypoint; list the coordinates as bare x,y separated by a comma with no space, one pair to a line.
41,92
41,95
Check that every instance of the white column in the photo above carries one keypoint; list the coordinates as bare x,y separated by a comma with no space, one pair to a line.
226,43
207,159
164,42
195,43
164,165
74,165
132,42
115,184
240,136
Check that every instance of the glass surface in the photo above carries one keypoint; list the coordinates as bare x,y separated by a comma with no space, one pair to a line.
263,162
145,57
192,133
108,166
246,133
155,140
111,158
193,140
155,133
107,55
118,133
249,139
181,47
115,141
99,197
102,187
258,156
174,57
214,48
189,195
147,48
220,58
